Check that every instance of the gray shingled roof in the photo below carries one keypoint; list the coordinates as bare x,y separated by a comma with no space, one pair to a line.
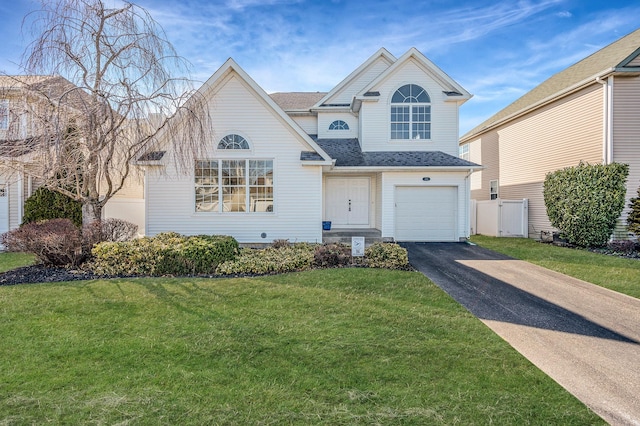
297,101
604,59
347,153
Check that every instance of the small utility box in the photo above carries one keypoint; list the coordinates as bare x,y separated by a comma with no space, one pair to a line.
357,246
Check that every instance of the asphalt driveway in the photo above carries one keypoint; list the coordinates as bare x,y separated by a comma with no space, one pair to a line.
585,337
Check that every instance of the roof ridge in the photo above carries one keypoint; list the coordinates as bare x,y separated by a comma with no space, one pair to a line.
605,58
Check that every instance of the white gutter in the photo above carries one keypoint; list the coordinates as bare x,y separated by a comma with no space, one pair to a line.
607,119
356,169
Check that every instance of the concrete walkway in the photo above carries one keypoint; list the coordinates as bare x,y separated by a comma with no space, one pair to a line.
585,337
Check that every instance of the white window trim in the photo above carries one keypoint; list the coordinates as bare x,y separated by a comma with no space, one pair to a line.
220,202
491,188
411,105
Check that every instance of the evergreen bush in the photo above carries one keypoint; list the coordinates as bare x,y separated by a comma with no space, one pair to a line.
45,204
633,219
584,202
166,254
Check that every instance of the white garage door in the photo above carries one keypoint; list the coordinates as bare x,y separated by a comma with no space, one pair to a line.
426,213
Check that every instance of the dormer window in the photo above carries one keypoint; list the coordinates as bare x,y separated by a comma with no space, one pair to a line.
411,113
233,142
338,125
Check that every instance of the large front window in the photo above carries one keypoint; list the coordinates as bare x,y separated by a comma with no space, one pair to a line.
410,113
234,185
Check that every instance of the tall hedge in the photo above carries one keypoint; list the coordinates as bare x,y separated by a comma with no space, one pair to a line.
584,202
45,204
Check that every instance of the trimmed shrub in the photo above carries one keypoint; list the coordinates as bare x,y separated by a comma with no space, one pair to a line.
296,257
584,202
45,204
56,242
633,219
386,255
166,254
332,255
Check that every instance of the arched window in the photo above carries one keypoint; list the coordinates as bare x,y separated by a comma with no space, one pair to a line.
233,142
338,125
410,113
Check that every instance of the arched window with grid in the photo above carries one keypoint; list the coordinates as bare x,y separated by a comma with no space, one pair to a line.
411,113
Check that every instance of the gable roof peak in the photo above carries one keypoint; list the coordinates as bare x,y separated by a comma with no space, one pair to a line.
381,54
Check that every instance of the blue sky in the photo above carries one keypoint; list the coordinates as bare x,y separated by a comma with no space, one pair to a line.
497,50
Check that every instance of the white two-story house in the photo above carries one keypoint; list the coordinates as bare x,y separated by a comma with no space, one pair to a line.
378,152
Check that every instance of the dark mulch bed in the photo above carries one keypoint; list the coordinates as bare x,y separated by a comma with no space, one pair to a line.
43,274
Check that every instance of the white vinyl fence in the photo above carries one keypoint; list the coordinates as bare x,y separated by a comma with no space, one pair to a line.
500,218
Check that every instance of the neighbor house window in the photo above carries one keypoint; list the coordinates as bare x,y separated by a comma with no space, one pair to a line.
234,186
463,151
4,114
338,125
410,113
493,189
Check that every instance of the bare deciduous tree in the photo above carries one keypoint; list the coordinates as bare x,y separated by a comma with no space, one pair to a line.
123,86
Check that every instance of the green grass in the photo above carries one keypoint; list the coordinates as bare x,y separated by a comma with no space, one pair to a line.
15,260
334,347
618,274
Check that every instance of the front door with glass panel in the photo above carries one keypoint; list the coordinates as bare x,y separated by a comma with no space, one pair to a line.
347,201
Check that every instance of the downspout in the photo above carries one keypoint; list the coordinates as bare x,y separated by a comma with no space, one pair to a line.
607,121
20,196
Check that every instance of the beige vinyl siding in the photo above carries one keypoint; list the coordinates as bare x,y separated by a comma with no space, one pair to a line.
297,212
391,180
475,156
308,123
485,150
346,94
326,118
626,135
375,116
635,62
558,135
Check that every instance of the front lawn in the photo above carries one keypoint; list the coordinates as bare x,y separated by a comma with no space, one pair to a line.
335,347
15,260
615,273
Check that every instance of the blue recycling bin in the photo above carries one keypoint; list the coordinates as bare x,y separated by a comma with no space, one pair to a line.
326,225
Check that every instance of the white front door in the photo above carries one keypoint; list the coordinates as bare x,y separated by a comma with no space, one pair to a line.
347,201
4,208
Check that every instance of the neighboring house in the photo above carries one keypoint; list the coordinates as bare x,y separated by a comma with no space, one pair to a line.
589,112
20,103
378,152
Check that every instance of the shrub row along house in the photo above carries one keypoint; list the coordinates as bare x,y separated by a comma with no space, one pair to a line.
377,152
589,112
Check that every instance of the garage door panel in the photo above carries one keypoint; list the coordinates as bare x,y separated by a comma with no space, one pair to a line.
426,213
